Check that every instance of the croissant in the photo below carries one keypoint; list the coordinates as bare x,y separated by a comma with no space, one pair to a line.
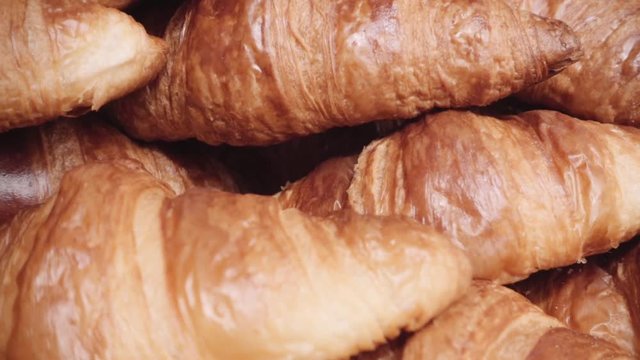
626,275
586,300
116,264
605,84
63,60
595,299
253,73
533,191
33,161
493,322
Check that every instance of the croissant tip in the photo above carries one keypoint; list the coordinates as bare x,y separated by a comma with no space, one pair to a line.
558,43
567,50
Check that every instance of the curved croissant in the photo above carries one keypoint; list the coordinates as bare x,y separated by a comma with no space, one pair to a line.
533,191
33,161
62,59
251,72
605,84
493,322
586,300
597,299
122,266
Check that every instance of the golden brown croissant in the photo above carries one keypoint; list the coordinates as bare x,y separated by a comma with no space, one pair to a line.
493,322
33,161
626,274
534,191
585,299
59,59
250,72
605,84
595,298
115,264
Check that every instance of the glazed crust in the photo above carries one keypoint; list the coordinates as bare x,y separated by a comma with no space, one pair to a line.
626,275
605,84
585,298
529,192
493,322
64,59
275,70
122,266
33,161
600,299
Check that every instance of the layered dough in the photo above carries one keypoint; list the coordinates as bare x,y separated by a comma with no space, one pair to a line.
251,72
599,298
534,191
494,323
60,58
605,84
116,264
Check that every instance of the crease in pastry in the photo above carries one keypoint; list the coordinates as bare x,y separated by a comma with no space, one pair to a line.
277,70
123,266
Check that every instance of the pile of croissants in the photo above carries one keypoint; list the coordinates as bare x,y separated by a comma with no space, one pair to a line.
319,179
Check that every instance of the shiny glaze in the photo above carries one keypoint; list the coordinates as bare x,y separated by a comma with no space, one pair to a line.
63,58
626,275
257,72
605,84
116,264
494,323
586,299
530,192
33,161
